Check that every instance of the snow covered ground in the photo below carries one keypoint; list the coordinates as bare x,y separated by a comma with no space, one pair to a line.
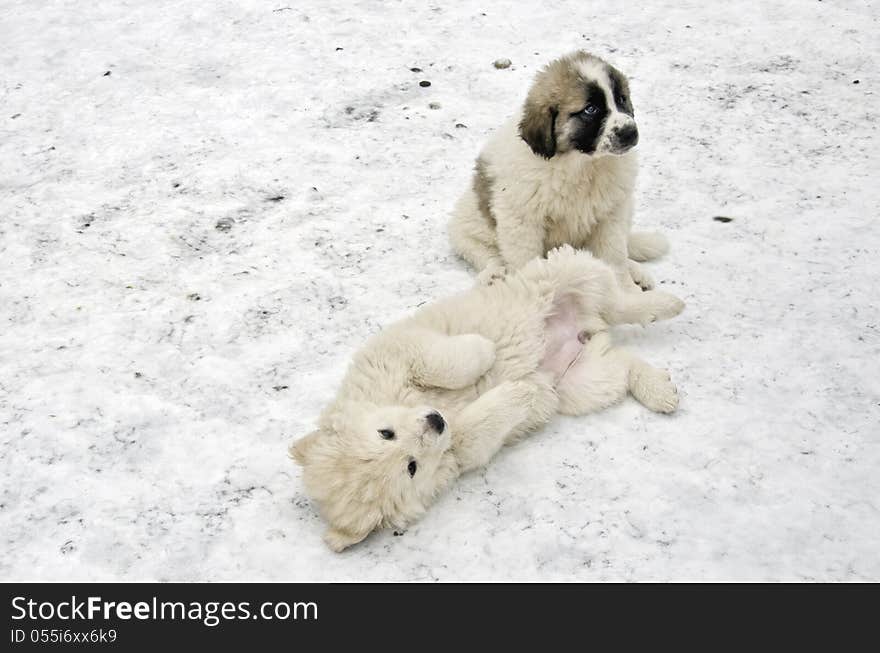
205,208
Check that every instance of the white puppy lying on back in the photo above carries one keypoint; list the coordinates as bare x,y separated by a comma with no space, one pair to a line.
561,171
439,393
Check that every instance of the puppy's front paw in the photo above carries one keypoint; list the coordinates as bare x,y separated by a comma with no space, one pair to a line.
655,389
491,273
641,278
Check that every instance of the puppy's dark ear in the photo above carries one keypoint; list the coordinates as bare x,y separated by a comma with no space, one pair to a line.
299,450
538,128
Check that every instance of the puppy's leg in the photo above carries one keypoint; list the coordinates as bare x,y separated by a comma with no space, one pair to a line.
593,287
578,281
473,236
482,428
608,242
646,245
624,307
642,308
603,375
598,379
451,362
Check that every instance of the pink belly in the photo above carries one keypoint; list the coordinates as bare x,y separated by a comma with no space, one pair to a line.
564,339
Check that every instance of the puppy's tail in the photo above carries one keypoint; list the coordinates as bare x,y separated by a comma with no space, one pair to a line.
646,245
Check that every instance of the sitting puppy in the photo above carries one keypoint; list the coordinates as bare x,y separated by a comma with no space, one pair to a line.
560,171
439,393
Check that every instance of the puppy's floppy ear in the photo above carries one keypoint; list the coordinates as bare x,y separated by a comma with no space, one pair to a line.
299,450
538,127
339,539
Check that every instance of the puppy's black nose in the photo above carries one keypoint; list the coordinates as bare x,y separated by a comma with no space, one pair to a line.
628,136
436,422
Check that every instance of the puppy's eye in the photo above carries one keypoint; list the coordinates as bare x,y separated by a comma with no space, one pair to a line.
623,99
387,434
412,467
590,110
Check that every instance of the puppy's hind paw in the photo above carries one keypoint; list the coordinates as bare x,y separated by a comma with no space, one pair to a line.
663,305
654,389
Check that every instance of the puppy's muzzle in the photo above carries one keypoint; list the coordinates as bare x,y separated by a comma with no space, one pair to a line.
626,137
436,422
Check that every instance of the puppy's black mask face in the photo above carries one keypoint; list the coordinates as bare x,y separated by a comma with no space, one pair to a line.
606,124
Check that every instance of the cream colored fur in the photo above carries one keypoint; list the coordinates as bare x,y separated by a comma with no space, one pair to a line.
482,360
539,203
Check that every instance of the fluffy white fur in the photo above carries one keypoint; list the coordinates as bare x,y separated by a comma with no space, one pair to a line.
495,362
556,194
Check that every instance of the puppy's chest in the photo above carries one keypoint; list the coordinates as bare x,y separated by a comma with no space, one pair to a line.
575,230
572,210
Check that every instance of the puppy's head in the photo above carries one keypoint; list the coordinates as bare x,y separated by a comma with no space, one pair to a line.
579,102
372,466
